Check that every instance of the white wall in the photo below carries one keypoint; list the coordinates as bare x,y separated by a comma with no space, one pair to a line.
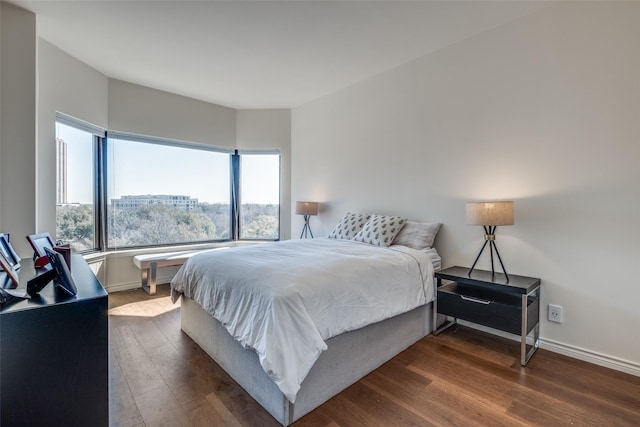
543,111
17,124
270,129
68,86
142,110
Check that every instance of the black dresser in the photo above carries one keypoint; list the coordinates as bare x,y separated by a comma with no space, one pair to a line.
54,360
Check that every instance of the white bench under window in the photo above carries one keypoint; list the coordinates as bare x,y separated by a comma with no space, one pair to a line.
149,264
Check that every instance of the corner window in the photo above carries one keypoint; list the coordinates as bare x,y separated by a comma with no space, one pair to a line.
125,191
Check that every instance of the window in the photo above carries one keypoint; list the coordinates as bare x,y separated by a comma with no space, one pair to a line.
126,190
76,215
163,193
259,196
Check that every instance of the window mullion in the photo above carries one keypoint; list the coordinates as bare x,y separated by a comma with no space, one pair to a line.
100,183
235,195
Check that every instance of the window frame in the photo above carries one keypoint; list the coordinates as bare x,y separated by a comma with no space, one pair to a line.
145,139
99,137
101,172
249,152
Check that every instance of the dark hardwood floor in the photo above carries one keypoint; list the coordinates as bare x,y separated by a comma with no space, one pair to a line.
463,377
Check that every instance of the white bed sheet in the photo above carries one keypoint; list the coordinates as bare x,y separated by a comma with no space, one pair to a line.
284,299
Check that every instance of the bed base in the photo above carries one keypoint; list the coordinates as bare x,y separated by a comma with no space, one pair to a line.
350,356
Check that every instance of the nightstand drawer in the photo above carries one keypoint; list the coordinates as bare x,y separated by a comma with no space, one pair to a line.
503,312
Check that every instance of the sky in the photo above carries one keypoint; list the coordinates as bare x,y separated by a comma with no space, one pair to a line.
142,168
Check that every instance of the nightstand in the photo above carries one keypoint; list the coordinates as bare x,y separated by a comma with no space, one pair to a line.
490,300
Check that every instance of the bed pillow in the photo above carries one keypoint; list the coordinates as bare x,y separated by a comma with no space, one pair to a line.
349,226
417,235
380,230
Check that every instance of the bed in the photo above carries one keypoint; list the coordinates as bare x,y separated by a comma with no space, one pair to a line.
281,320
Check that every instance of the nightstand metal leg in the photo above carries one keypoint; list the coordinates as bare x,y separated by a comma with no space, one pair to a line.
524,355
445,325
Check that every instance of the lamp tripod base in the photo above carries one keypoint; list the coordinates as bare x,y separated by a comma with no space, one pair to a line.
490,238
306,229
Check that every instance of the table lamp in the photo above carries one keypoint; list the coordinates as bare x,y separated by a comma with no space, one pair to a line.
490,215
307,209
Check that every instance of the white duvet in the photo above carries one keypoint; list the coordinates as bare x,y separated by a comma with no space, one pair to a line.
284,299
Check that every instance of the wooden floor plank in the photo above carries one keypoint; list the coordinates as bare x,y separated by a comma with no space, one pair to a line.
159,376
536,416
384,410
583,376
140,374
457,369
227,417
406,378
190,380
563,399
345,412
202,414
409,401
123,411
159,408
317,419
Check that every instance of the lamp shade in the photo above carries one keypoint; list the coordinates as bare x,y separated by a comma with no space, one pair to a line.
490,213
307,208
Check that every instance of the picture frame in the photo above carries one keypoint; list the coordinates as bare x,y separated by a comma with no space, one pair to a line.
8,251
39,242
5,266
59,265
65,250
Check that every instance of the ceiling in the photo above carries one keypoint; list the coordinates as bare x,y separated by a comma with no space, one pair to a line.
259,54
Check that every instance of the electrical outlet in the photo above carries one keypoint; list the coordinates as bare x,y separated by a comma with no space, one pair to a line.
555,313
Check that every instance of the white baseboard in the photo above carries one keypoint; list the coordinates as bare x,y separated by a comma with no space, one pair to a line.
591,357
117,287
568,350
